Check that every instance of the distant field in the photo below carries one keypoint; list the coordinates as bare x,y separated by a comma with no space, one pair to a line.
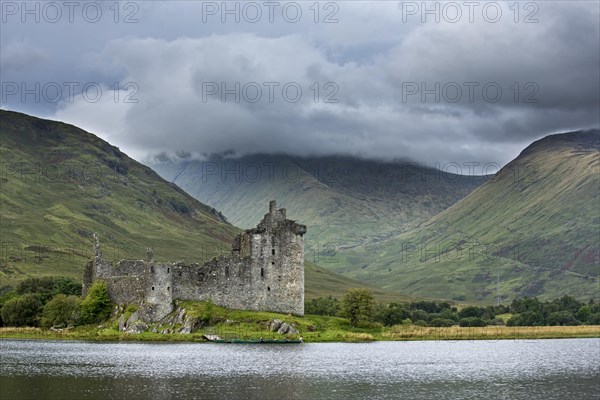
411,332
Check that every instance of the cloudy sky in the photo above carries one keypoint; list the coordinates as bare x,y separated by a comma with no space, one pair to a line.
436,82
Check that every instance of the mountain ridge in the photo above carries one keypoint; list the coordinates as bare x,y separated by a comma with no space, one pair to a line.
347,201
533,229
60,184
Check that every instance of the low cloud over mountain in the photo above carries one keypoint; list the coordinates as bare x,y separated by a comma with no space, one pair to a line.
452,90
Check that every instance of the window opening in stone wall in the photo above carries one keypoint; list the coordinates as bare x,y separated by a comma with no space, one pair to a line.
262,272
152,269
269,288
152,287
273,251
168,270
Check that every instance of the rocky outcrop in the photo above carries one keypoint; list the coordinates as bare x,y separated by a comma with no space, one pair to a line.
275,324
179,322
283,328
140,321
137,327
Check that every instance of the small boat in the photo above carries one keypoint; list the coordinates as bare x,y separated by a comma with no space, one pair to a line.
283,341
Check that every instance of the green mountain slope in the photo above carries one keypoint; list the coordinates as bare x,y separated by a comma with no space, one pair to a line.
533,229
347,202
320,282
59,184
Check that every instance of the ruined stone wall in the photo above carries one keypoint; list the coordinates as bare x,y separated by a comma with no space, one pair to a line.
224,280
126,280
265,271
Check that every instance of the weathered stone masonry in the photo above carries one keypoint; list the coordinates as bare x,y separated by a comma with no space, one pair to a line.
264,272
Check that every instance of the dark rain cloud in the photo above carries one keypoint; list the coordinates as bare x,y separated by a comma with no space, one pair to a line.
370,71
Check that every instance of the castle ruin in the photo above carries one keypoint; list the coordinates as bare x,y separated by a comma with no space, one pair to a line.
263,272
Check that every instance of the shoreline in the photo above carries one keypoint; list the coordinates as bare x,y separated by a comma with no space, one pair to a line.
397,333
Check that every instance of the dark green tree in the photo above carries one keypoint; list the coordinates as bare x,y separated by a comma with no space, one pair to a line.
594,319
391,314
42,286
48,286
67,286
6,295
96,306
22,310
357,306
563,318
584,314
472,321
528,318
427,306
323,306
524,304
449,314
61,311
419,315
443,322
568,303
470,311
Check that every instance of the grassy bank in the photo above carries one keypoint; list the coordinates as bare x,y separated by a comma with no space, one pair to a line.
244,324
398,333
207,318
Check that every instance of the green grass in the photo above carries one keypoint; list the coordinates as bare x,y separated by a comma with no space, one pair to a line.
313,328
92,333
254,324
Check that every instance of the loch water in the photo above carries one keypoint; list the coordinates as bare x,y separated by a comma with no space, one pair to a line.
503,369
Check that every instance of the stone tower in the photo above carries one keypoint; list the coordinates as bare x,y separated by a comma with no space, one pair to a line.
276,251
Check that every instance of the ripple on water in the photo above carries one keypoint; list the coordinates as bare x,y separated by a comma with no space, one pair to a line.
501,369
